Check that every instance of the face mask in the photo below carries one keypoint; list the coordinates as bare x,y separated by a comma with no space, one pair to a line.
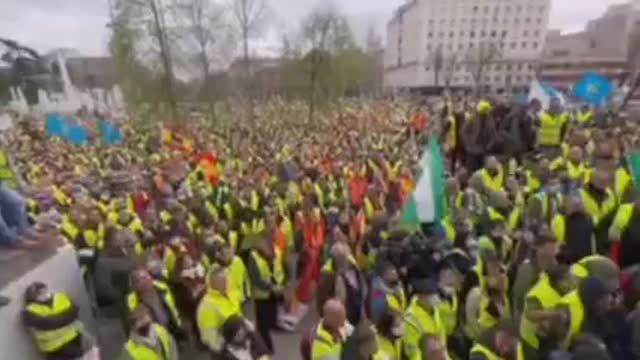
398,330
346,330
449,290
144,330
45,297
394,283
433,300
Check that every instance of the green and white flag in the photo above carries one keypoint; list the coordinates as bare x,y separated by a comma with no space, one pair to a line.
633,161
427,204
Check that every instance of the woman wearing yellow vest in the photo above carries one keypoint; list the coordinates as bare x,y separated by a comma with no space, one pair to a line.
553,126
148,340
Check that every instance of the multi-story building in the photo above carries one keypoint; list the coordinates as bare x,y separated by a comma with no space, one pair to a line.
608,45
493,44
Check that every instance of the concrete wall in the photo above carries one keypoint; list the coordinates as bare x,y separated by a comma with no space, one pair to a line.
61,273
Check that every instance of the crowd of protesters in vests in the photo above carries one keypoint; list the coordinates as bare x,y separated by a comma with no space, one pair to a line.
184,230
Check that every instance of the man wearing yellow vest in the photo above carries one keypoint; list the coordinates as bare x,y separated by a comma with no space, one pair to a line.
423,318
267,272
624,234
215,308
331,333
52,318
238,285
387,292
538,314
497,343
600,203
158,297
584,116
493,175
148,340
553,126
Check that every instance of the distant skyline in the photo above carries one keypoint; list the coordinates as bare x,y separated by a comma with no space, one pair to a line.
82,24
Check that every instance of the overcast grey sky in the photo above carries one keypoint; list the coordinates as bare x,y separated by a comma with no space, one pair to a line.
81,24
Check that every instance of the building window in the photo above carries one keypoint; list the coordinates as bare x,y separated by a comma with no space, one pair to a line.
524,45
504,33
525,33
483,33
430,35
536,33
527,20
592,43
516,21
429,47
458,67
428,68
542,8
450,46
539,21
461,33
508,67
452,34
507,9
535,44
530,66
472,34
518,8
431,21
494,33
475,9
501,45
498,67
519,67
486,9
487,78
513,45
470,45
496,78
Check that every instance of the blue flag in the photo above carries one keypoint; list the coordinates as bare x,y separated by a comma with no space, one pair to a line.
77,135
593,89
56,126
110,134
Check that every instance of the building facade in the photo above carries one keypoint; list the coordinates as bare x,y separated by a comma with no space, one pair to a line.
609,45
492,44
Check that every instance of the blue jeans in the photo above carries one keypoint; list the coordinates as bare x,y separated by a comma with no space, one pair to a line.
13,216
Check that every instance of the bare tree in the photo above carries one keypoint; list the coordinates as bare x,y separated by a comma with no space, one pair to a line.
248,16
206,28
160,32
317,31
479,59
451,63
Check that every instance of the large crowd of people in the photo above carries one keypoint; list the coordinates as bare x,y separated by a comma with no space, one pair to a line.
215,240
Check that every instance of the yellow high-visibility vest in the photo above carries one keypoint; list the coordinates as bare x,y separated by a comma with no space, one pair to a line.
548,298
550,133
576,311
595,210
165,292
138,351
50,340
269,273
324,346
213,311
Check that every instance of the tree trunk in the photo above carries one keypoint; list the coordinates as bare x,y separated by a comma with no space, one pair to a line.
165,57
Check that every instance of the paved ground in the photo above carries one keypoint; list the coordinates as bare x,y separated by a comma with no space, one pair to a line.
111,338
